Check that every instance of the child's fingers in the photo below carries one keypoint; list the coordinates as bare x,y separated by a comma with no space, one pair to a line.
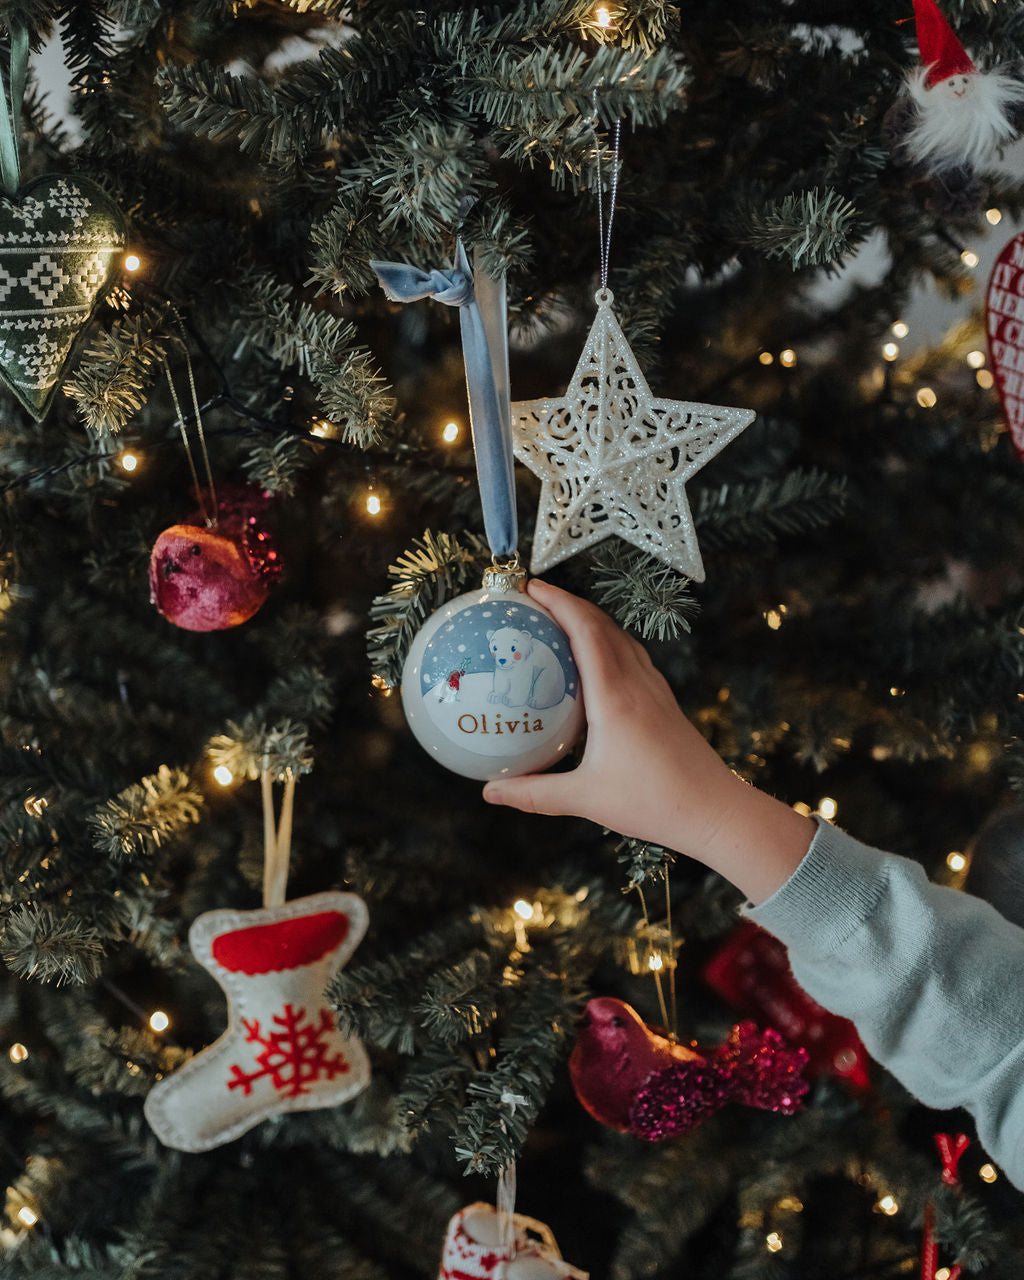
533,792
603,651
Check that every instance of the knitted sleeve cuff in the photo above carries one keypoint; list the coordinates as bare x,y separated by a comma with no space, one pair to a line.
828,897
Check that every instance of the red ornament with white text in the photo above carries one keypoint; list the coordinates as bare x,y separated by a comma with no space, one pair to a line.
1004,326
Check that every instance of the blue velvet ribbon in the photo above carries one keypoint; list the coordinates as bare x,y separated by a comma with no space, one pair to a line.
482,320
10,110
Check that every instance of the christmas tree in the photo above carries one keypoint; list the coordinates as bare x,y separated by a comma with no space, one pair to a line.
854,646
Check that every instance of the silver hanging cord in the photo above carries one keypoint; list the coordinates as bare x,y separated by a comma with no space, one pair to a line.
209,517
604,234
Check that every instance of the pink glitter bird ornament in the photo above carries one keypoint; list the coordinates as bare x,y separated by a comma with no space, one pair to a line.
632,1078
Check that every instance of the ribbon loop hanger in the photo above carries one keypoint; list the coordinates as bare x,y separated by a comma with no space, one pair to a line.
484,328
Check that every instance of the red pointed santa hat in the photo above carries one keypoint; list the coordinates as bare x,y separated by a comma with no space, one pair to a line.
941,52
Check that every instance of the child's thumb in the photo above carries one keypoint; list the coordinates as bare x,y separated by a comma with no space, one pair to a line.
533,792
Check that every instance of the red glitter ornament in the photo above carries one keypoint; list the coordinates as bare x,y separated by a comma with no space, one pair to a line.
751,970
209,578
633,1078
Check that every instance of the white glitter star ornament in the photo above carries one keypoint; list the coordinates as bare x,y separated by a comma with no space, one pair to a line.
614,459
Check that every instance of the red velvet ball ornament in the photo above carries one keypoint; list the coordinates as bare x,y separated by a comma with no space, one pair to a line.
209,578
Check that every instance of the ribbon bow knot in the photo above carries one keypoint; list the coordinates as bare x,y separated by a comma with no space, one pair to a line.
402,282
481,303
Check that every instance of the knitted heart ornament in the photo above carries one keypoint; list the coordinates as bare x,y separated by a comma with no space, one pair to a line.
61,238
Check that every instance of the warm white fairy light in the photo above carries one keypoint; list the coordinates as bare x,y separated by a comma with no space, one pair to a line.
895,691
158,1020
804,810
887,1205
987,1173
899,328
450,432
984,379
223,775
766,357
787,358
890,351
975,359
655,962
27,1217
321,428
132,262
603,16
523,909
17,1053
774,617
129,461
828,808
994,216
34,806
373,504
969,258
956,861
927,398
773,1242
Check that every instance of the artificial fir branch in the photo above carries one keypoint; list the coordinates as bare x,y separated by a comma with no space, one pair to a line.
39,944
642,861
321,345
254,747
810,228
143,816
642,593
763,510
114,376
432,570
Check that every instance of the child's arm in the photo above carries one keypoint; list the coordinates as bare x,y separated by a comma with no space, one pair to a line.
932,978
647,772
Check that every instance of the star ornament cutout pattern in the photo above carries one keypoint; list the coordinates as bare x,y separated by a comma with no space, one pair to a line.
614,459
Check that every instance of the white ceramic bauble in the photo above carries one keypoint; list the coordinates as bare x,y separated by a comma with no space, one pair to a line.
490,687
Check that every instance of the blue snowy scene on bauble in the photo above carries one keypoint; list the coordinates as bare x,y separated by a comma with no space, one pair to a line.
490,687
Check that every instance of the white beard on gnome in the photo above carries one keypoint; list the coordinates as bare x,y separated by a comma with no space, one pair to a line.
963,119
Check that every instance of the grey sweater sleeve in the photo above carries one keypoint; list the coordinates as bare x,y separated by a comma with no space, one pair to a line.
932,978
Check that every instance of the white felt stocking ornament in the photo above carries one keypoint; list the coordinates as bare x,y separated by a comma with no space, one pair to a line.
476,1247
281,1050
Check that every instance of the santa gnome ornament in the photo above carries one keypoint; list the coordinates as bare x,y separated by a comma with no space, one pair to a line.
961,116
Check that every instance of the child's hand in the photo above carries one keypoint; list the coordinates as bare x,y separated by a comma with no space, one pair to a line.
647,772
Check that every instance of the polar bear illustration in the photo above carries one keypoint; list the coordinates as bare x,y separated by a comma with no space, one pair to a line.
526,671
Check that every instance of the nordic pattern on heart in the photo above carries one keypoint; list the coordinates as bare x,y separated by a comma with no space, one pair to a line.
56,256
293,1058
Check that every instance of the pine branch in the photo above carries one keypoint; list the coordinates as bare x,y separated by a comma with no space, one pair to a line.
40,945
116,372
810,228
642,593
761,511
275,465
433,570
321,346
643,861
143,816
252,747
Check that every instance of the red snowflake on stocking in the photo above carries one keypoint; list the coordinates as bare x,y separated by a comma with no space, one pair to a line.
293,1057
